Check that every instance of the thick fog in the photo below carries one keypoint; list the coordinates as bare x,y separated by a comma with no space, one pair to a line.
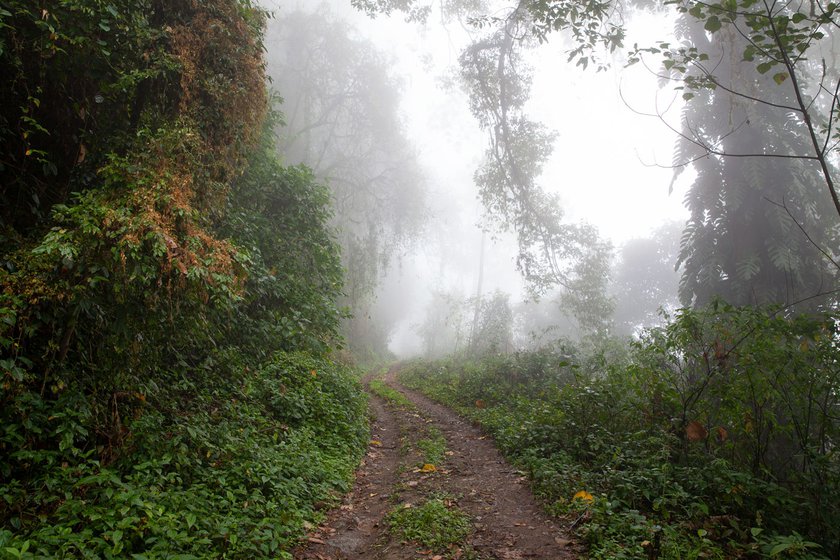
387,124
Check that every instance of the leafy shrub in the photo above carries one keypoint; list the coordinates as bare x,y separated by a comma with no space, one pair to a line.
226,474
167,292
715,440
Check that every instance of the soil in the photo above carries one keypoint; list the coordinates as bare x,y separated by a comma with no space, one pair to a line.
507,522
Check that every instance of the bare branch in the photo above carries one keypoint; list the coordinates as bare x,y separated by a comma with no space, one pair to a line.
784,207
820,156
709,149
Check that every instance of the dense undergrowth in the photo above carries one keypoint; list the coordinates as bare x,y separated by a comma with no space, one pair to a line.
237,472
716,438
167,292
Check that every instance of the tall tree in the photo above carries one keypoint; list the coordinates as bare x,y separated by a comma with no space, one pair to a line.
645,278
342,119
445,330
762,222
763,115
494,332
498,83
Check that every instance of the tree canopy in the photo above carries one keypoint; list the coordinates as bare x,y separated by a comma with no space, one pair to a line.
758,125
341,118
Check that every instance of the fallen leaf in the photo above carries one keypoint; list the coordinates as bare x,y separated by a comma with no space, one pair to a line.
428,468
480,404
316,540
583,495
562,542
375,442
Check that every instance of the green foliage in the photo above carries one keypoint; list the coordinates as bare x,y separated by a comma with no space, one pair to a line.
493,328
278,216
585,295
761,230
714,441
344,122
167,293
436,524
236,472
85,76
394,397
433,447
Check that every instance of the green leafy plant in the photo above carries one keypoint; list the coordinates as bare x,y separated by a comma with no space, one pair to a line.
437,523
433,447
394,397
714,427
167,293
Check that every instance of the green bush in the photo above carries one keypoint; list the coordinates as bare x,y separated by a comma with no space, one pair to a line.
715,440
228,474
167,292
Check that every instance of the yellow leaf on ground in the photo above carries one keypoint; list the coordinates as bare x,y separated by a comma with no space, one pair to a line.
428,467
375,442
583,495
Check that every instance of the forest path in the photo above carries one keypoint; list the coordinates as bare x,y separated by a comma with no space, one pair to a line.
506,522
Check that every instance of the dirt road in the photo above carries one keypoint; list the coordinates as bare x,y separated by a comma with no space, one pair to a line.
506,522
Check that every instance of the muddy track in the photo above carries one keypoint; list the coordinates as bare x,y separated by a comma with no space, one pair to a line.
507,522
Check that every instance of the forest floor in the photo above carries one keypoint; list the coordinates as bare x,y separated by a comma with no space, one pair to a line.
502,519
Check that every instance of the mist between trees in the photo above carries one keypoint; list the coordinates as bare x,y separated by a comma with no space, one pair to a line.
195,262
693,319
762,226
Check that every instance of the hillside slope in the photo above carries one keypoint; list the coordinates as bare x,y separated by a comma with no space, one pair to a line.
167,292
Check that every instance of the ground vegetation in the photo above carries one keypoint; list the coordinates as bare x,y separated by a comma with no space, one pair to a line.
713,438
168,292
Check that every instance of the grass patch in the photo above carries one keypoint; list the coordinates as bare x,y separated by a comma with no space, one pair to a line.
436,524
393,396
433,447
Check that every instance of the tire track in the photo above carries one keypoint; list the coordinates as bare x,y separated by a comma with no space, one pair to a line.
508,524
